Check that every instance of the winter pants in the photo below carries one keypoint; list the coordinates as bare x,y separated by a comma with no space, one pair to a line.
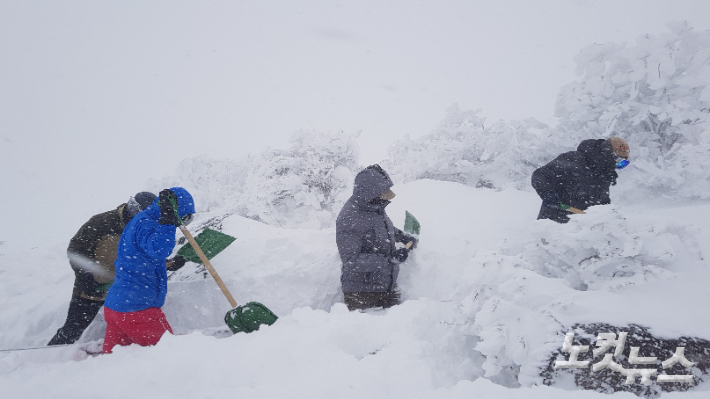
367,300
144,327
81,313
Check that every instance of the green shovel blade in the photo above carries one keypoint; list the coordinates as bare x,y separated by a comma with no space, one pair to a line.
411,224
211,241
249,317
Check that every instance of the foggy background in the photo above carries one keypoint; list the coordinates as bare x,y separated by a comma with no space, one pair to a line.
98,97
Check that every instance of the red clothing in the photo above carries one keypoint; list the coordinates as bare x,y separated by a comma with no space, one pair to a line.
144,327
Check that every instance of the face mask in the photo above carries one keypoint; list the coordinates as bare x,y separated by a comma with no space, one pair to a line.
621,163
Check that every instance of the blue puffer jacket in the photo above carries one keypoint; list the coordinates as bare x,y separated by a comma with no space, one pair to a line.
141,277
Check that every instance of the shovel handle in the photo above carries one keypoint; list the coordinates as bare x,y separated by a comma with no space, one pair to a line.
575,210
409,244
208,265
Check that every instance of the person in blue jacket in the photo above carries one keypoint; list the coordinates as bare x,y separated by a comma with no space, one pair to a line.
132,307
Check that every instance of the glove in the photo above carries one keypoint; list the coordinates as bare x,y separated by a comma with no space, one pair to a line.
176,263
564,207
400,255
168,214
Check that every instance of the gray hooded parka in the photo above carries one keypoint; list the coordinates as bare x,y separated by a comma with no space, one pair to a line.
366,237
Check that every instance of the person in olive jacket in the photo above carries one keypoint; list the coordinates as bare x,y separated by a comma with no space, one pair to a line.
366,242
91,253
576,180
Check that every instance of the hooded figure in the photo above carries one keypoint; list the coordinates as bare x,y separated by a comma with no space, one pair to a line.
91,254
132,308
366,241
579,179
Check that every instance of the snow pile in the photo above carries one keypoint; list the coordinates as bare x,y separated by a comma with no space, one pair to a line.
516,299
283,268
405,352
607,249
302,186
36,286
476,309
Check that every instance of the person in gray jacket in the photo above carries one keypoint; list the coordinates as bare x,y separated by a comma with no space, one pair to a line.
366,241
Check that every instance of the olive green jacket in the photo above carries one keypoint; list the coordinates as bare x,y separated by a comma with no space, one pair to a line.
93,250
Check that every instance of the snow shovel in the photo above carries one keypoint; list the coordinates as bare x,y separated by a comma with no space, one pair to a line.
411,226
210,241
246,318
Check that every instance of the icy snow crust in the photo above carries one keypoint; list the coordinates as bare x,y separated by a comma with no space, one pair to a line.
489,295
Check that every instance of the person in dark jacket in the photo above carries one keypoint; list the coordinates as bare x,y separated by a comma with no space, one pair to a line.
366,241
132,307
91,253
576,180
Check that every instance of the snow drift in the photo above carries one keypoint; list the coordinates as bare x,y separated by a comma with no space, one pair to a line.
479,306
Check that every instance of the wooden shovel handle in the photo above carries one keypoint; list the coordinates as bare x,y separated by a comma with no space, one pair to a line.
208,265
575,210
409,244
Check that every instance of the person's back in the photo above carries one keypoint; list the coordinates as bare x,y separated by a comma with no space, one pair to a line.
577,179
96,243
141,272
91,253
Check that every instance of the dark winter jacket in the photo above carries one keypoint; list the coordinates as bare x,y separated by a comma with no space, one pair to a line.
366,237
577,178
141,275
92,252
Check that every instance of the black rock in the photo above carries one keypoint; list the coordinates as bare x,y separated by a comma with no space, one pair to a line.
607,381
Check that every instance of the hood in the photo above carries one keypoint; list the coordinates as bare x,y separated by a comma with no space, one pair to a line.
186,205
137,203
370,184
597,154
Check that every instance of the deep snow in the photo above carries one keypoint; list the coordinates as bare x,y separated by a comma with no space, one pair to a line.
479,307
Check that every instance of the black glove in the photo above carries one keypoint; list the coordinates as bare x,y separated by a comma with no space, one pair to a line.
400,255
177,262
168,214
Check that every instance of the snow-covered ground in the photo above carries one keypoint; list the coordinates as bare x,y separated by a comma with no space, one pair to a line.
486,302
100,100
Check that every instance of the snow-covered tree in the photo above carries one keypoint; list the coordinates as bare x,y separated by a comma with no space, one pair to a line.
656,95
214,183
304,185
464,150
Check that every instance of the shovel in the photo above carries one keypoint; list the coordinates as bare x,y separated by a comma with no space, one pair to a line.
211,242
246,318
411,226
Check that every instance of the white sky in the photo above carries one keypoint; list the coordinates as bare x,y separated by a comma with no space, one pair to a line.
98,97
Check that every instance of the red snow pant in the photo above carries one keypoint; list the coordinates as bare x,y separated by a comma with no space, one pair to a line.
144,327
